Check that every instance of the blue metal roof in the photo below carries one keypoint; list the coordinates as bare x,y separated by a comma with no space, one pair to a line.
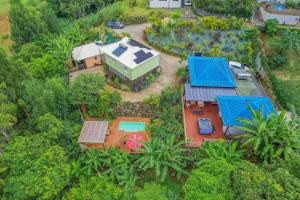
233,107
210,72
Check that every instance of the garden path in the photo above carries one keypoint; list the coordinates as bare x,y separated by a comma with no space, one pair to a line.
169,66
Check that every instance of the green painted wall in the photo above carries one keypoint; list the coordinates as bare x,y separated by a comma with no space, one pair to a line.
145,67
132,74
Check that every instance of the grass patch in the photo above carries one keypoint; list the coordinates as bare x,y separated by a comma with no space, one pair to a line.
290,71
4,8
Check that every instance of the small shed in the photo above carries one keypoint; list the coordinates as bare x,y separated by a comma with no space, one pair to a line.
93,134
88,55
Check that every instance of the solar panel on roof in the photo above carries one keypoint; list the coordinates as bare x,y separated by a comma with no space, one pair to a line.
139,53
134,43
143,57
119,50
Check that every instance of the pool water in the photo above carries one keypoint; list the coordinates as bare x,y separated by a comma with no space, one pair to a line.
131,126
279,7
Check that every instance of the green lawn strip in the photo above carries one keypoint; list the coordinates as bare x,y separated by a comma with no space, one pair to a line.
4,7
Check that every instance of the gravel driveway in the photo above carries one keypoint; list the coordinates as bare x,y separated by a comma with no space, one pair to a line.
169,66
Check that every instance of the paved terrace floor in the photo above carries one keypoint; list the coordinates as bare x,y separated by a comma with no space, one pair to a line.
192,136
118,138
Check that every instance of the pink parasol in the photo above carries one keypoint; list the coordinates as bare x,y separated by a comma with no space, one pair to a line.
132,142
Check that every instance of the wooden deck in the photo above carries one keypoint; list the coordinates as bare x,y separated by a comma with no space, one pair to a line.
192,136
118,138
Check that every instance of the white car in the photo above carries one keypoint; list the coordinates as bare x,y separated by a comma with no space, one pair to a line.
237,65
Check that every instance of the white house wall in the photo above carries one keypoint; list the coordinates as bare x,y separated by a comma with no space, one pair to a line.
165,3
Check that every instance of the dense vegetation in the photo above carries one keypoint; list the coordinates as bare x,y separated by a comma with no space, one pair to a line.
40,121
228,7
282,63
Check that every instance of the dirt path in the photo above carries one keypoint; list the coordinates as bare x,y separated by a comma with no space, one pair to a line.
169,66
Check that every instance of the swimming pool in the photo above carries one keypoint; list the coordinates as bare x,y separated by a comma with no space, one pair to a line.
131,126
279,7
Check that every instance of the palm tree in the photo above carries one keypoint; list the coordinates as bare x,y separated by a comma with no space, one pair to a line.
163,156
291,40
271,137
116,164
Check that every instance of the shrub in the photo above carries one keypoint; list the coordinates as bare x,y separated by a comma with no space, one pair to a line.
215,51
210,181
182,74
271,26
278,56
215,23
228,7
132,18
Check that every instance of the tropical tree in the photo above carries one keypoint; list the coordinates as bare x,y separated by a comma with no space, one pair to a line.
211,180
167,124
8,112
26,23
272,26
218,150
12,74
86,89
110,162
42,97
291,40
162,156
271,137
37,168
251,182
2,174
47,66
107,102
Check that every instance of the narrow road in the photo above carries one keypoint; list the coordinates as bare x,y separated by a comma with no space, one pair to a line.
169,66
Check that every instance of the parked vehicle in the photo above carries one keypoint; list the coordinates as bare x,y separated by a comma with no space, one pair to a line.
188,2
198,54
237,65
115,24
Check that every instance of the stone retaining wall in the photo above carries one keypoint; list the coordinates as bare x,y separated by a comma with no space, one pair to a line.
139,109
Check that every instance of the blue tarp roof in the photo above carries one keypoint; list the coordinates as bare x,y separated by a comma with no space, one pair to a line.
211,72
233,107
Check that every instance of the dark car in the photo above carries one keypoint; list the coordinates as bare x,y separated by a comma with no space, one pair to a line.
114,24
